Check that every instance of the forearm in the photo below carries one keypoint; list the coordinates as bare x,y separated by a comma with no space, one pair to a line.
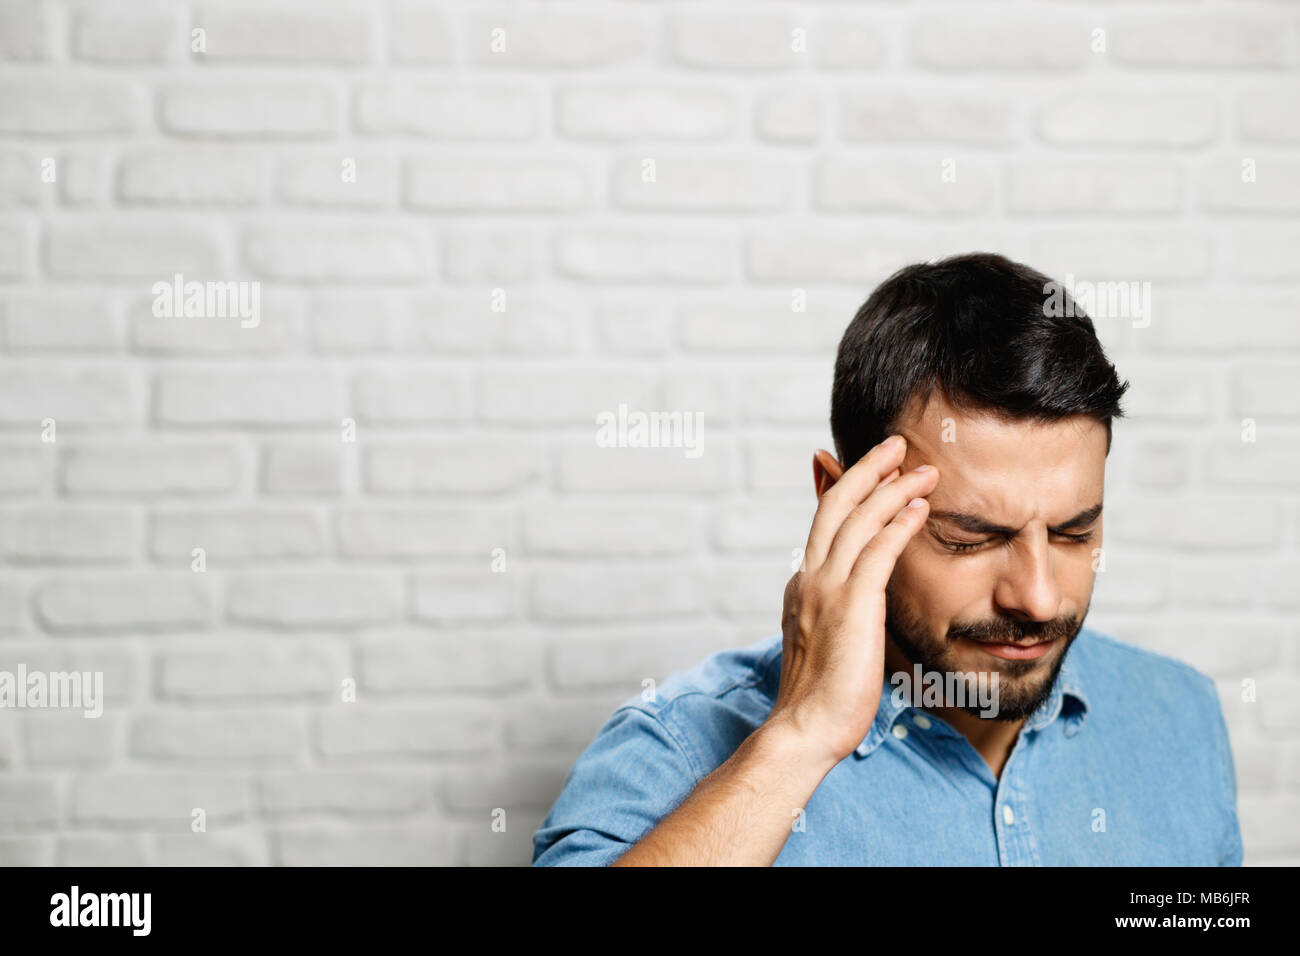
741,814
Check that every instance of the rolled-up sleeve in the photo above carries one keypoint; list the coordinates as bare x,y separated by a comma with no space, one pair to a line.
634,773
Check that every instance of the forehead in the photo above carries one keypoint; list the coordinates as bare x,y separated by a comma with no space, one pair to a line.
1000,467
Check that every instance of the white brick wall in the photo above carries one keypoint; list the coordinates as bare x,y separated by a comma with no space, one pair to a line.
797,151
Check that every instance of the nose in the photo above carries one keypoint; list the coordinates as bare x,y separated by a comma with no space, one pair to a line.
1027,589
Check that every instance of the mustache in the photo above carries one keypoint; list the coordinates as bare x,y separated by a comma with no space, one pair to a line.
1012,631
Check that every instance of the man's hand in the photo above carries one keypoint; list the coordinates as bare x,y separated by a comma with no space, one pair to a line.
833,649
832,669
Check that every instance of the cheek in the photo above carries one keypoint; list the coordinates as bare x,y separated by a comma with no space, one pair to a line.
940,586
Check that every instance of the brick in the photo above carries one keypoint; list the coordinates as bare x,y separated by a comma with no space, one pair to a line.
220,397
123,37
1265,391
625,659
26,33
262,34
663,112
357,322
752,590
448,111
729,323
1134,254
235,535
70,535
625,254
409,532
565,727
419,34
518,321
405,396
771,526
1200,41
1263,253
345,791
1165,392
242,737
792,115
150,468
60,322
85,175
26,850
560,396
521,784
159,801
16,243
243,846
577,529
70,739
843,185
486,184
363,730
123,602
417,661
478,254
102,849
852,43
333,599
20,178
426,844
1026,41
456,466
907,115
1271,463
71,395
53,105
584,467
229,109
626,593
117,250
244,670
1214,322
1267,115
359,253
25,469
301,468
318,180
1221,523
120,667
721,41
512,39
28,803
268,325
192,177
444,597
1045,187
703,183
1129,117
1273,192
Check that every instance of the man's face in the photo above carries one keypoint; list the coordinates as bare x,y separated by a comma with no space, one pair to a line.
1000,578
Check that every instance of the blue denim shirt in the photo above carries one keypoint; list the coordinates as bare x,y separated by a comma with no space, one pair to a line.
1127,763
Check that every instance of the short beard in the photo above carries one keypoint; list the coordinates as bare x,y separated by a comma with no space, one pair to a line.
1015,700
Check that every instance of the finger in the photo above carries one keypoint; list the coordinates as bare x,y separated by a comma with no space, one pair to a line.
876,563
854,485
868,518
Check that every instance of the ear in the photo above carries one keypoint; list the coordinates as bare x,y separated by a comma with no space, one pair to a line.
826,471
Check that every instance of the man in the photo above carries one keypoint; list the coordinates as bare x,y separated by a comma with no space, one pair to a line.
954,547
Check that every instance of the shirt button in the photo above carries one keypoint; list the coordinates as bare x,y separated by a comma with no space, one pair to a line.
862,750
1007,815
900,731
921,721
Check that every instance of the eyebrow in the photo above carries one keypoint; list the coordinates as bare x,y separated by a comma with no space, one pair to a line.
974,524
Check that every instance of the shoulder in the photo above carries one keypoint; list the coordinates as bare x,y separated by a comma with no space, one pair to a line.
1131,680
709,708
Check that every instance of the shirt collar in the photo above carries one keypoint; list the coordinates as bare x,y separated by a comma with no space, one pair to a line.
1066,700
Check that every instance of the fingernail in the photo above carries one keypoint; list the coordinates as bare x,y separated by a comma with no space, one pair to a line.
893,441
921,468
916,503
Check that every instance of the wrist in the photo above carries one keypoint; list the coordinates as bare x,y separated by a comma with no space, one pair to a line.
795,750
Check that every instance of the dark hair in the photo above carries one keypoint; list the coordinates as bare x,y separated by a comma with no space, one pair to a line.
988,333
